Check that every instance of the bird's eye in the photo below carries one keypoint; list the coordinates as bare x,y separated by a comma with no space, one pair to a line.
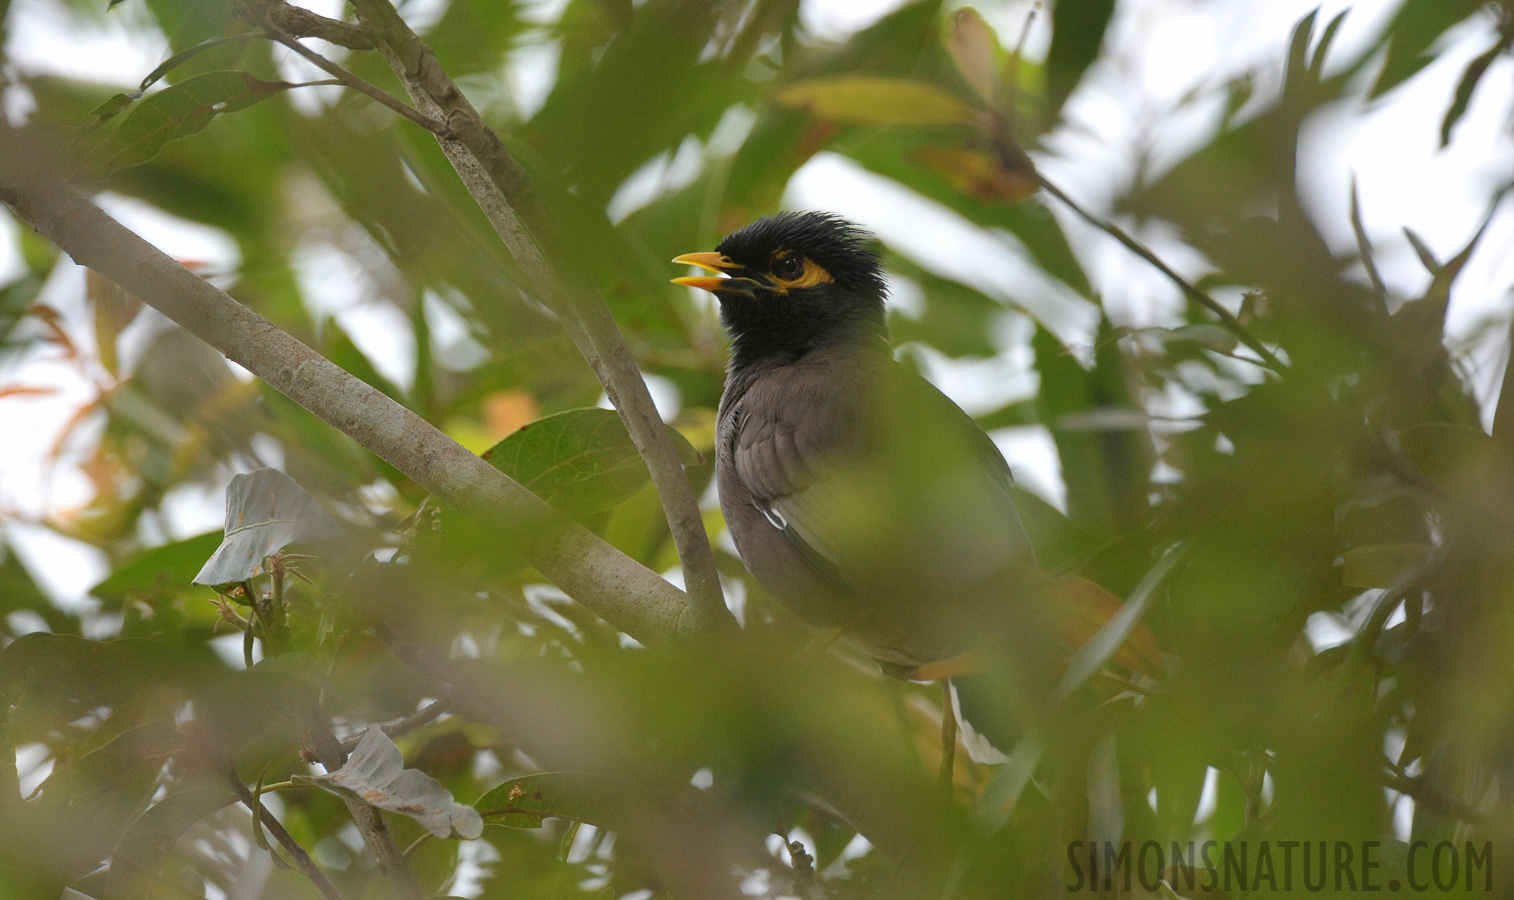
788,268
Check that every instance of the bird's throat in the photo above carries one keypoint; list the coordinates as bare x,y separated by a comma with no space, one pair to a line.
761,340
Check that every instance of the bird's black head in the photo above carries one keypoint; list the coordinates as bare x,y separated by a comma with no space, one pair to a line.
793,283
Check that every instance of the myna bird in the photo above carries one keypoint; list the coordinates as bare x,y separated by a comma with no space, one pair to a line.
857,493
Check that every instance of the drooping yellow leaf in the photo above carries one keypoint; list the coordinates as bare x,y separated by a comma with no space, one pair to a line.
978,174
876,100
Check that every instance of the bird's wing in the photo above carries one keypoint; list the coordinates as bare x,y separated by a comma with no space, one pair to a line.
881,482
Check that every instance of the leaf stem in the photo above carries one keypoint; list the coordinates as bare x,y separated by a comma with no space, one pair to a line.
343,76
423,716
1227,319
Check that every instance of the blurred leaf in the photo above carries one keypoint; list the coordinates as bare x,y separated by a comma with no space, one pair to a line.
183,56
63,676
1106,807
872,100
147,843
188,22
1210,337
581,461
1003,793
337,346
975,49
375,773
1077,33
1415,28
979,175
475,35
112,107
265,512
1093,656
1423,251
1030,222
1464,88
1380,566
172,565
114,309
1446,452
1083,609
528,801
19,591
1106,444
175,112
957,319
1018,414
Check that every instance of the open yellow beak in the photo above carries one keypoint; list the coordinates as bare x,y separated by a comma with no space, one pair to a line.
715,262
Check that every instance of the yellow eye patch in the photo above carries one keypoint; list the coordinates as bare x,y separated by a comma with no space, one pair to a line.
810,275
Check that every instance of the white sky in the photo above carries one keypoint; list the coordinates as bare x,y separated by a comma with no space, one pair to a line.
1162,51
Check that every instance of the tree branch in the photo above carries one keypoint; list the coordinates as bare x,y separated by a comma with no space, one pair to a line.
500,187
370,822
304,23
424,716
350,80
612,585
302,860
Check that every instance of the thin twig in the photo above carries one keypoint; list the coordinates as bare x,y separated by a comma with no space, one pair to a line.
504,193
302,860
350,80
1227,319
423,716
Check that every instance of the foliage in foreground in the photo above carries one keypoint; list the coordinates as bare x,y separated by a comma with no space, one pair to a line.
1345,478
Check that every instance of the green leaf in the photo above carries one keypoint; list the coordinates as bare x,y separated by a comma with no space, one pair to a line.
339,347
171,565
152,835
1444,452
980,196
873,100
1467,86
582,461
1379,566
999,799
527,801
175,112
18,591
1077,33
1092,656
184,56
112,107
64,674
1418,25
